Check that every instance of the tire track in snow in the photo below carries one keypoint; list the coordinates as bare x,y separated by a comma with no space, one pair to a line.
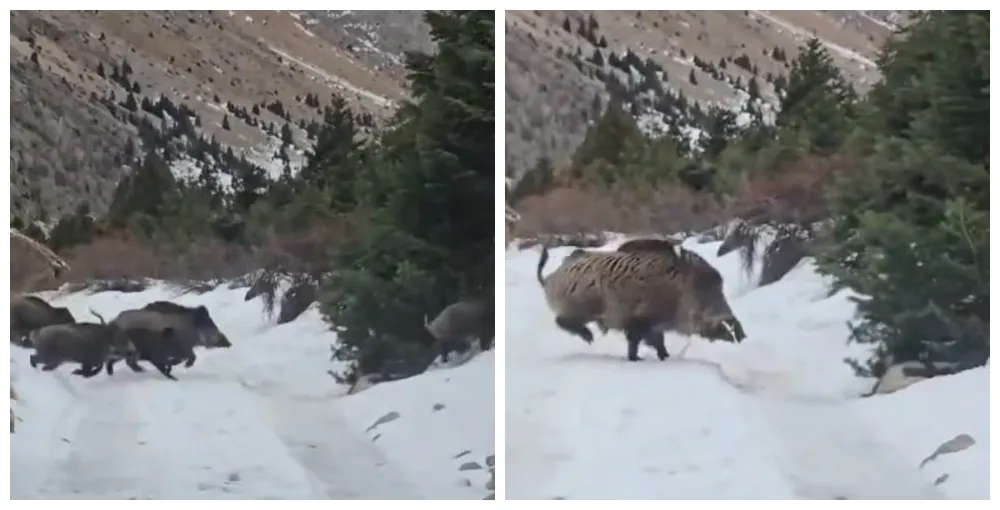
347,465
822,449
108,457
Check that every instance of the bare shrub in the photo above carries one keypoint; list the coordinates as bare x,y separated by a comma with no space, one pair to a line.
121,261
621,209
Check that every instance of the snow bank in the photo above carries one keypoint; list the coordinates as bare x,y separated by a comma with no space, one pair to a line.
261,420
775,417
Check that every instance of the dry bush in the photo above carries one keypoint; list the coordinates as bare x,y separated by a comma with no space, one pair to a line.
575,210
124,258
792,193
307,251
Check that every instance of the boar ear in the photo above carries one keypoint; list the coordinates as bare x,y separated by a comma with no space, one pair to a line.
201,314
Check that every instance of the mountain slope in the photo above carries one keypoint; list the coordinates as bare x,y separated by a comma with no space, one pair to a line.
261,420
775,417
554,74
69,141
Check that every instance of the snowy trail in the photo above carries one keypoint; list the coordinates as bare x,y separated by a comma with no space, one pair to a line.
826,453
261,420
766,419
141,438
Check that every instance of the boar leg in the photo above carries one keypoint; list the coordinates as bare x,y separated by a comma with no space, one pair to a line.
577,328
33,359
655,340
485,342
88,371
164,368
636,330
133,363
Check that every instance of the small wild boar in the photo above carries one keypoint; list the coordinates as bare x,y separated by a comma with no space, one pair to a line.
460,324
90,345
31,312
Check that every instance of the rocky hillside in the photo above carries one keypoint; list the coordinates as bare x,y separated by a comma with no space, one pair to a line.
86,86
562,66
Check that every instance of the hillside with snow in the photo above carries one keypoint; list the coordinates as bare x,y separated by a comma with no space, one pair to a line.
778,416
260,420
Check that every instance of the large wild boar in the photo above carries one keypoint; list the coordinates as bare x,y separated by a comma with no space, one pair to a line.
460,324
176,330
28,313
90,345
652,287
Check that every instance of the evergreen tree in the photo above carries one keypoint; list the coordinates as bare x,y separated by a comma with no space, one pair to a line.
912,230
143,197
427,235
335,161
719,129
817,99
604,142
130,103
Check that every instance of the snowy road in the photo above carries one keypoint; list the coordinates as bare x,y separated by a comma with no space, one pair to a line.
134,436
261,420
766,419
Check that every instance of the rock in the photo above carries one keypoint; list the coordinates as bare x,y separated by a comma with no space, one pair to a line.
897,377
490,460
437,407
233,477
941,479
953,445
469,466
388,417
296,300
466,452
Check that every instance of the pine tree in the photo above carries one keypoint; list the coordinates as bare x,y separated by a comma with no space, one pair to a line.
144,196
334,163
130,103
817,99
427,238
913,223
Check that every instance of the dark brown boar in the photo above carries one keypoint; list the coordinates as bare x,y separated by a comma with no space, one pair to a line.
28,313
179,329
90,345
460,324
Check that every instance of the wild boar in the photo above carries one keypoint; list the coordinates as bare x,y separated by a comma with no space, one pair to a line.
460,324
188,327
31,312
90,345
655,287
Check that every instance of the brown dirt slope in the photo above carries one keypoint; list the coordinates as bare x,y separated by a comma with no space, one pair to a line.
66,148
549,97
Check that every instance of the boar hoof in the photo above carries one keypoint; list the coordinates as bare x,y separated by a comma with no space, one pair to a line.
33,360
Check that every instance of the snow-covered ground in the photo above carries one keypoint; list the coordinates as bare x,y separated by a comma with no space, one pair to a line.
774,417
261,420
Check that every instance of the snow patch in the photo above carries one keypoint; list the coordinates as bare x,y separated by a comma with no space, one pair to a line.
777,416
337,81
260,420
